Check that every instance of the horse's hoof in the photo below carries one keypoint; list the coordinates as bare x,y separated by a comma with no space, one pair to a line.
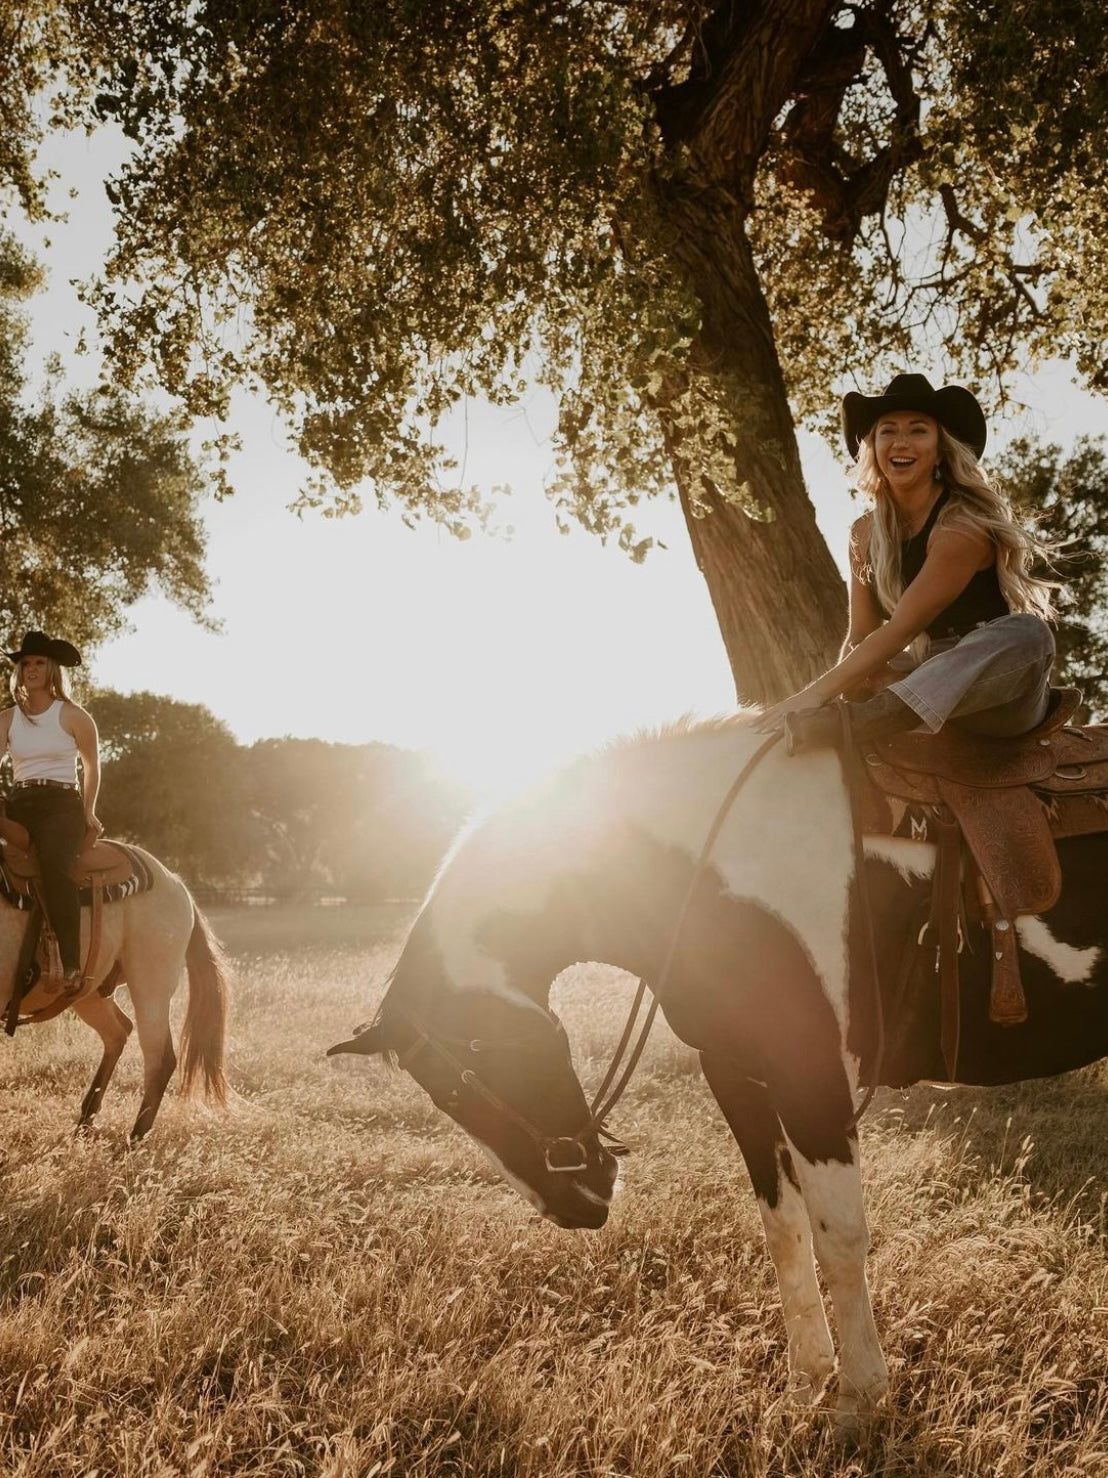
853,1414
806,1387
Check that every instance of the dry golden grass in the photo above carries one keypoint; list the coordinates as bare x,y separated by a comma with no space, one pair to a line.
329,1281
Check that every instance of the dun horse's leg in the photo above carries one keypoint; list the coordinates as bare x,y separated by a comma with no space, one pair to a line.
105,1018
151,1001
747,1109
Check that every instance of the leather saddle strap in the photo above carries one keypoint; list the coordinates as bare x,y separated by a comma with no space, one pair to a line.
1007,1002
23,969
95,929
946,900
66,998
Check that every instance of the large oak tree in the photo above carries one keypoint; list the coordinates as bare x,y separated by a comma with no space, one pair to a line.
695,221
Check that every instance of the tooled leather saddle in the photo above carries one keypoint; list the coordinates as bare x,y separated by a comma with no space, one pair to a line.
994,808
101,870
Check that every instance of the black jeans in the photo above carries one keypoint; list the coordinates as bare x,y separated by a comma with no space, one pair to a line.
55,819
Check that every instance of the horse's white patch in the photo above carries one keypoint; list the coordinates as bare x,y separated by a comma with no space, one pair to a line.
786,843
1072,965
589,1195
530,1195
911,859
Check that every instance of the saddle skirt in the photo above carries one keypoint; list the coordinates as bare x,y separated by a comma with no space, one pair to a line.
110,865
995,808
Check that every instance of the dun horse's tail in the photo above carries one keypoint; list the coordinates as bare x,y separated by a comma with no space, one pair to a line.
205,1030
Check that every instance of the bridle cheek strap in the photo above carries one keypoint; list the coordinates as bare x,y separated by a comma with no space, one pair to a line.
562,1154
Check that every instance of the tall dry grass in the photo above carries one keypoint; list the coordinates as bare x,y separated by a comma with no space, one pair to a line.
329,1281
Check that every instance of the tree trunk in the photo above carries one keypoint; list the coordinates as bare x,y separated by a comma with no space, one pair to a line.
777,593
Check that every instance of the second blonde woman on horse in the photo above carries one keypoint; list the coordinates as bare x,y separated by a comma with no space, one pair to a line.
46,733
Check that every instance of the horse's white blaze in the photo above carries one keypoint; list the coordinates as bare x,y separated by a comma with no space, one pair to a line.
911,859
590,1195
532,1197
1070,964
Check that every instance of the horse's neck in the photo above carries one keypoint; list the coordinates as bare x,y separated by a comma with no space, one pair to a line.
655,872
599,872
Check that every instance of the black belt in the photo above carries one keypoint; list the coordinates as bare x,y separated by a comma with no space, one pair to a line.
56,784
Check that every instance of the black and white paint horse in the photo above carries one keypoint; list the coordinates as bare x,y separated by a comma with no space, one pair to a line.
595,866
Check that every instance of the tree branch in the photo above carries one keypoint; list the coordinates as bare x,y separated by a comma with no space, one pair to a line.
813,158
745,66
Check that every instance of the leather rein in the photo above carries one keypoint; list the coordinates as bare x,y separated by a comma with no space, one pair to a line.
567,1154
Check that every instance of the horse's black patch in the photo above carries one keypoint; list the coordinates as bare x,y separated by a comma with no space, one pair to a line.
1067,1023
740,987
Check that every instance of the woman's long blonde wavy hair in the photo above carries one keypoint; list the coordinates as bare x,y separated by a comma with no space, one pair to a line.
974,504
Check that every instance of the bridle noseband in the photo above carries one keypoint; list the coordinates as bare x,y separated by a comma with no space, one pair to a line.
563,1154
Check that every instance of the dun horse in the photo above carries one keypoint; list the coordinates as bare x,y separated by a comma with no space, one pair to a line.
146,939
601,865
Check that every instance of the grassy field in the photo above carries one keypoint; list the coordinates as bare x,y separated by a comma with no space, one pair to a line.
328,1280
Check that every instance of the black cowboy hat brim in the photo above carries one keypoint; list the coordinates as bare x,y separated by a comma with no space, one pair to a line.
955,408
38,644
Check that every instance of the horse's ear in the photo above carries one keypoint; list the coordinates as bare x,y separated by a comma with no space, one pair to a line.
367,1040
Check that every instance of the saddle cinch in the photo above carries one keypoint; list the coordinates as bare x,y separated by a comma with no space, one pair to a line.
98,867
995,809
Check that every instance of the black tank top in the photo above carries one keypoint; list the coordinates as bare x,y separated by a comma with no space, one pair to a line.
981,600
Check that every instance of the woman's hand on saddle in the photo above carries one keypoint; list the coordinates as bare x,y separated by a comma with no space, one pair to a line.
94,825
774,718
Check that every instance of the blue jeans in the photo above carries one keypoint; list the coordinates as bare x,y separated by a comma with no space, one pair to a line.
994,680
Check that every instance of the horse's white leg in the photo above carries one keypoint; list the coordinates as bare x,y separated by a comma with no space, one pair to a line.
747,1109
113,1027
833,1195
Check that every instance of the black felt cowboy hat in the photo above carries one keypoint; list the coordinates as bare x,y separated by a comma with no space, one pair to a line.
954,407
38,644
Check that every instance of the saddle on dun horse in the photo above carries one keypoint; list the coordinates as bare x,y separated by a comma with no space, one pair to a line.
98,867
994,809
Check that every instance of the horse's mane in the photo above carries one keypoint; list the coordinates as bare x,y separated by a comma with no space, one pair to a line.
566,776
677,728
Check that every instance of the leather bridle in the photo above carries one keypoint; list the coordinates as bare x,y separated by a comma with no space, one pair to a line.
448,1049
557,1149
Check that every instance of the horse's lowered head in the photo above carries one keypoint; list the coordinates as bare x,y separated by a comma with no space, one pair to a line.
501,1069
466,1015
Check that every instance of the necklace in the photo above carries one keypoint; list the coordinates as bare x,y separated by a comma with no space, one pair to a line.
911,528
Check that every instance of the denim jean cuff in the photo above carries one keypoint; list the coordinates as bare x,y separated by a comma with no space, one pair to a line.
931,720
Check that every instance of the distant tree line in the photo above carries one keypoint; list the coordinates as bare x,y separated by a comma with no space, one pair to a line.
286,817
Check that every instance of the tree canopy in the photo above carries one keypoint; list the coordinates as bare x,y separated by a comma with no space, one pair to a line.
99,496
172,781
695,220
1068,495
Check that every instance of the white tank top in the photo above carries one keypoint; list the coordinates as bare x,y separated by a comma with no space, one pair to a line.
41,749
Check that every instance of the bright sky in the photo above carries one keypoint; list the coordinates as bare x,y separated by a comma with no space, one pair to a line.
500,658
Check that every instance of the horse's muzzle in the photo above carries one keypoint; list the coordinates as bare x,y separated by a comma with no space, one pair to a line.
581,1201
